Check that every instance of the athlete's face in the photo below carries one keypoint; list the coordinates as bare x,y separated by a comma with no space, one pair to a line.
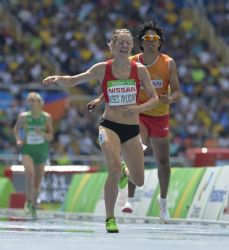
150,41
123,45
34,103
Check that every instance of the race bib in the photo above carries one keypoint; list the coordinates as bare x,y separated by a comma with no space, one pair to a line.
34,138
121,92
157,83
102,137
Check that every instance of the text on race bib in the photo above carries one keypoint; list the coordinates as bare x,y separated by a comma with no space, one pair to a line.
34,138
157,83
121,92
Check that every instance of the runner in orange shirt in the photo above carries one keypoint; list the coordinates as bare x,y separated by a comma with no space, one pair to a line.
154,123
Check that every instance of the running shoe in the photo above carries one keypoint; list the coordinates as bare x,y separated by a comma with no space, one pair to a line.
33,212
164,212
27,207
111,226
123,178
129,206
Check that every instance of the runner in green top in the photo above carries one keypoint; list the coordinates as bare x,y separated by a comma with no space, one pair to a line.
38,131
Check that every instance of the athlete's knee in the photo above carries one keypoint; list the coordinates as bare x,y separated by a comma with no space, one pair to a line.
114,171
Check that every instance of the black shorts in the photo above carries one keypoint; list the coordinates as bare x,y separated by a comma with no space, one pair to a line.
124,131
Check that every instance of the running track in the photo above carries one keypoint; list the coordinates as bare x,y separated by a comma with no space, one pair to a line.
61,231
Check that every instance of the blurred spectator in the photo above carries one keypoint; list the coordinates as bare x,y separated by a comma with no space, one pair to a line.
218,13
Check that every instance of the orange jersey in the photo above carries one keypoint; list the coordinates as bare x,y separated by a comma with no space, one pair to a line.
159,75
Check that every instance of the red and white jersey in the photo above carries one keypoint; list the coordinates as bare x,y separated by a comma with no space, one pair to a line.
119,92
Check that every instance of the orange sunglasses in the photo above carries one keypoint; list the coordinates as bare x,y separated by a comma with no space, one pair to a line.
151,38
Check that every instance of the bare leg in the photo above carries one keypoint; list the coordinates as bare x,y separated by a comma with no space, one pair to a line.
39,173
131,189
111,148
111,193
144,139
27,162
160,147
134,159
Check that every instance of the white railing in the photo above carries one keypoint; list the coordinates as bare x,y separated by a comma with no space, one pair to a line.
93,159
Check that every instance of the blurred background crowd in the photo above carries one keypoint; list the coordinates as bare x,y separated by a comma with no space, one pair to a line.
66,37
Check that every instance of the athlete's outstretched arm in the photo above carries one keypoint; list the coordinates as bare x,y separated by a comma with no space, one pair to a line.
96,72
